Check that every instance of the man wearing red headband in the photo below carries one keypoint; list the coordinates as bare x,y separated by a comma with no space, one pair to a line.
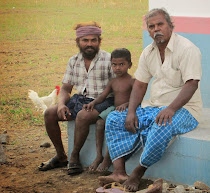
89,71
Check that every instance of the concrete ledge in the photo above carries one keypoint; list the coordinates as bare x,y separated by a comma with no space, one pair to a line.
88,152
187,160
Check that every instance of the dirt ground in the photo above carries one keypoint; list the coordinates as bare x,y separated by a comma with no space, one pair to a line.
35,44
25,126
20,173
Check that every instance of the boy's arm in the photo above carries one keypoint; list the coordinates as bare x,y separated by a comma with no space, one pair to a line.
104,94
100,98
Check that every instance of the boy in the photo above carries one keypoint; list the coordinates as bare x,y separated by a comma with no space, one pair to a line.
121,86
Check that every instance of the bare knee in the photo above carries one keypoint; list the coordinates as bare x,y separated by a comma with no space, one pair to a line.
51,114
84,117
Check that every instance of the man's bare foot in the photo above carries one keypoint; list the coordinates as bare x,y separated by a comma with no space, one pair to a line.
95,163
112,178
133,182
104,166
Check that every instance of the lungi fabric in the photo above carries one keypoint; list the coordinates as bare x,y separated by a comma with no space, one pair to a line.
153,138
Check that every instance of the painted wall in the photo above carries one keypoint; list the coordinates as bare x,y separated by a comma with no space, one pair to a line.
192,22
192,8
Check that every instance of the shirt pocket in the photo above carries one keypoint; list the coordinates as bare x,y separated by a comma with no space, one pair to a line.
173,77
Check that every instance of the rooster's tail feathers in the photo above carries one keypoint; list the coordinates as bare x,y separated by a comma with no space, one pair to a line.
39,104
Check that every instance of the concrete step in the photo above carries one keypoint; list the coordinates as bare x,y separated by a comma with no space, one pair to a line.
186,160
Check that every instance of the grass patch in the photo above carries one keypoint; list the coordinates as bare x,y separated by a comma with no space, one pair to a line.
37,39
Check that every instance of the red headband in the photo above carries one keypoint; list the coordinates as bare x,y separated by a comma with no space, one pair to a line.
88,30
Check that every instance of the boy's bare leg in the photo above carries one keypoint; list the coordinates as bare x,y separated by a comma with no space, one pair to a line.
133,182
100,127
118,175
106,163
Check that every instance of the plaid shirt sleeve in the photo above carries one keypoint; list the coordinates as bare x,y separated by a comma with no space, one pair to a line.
69,74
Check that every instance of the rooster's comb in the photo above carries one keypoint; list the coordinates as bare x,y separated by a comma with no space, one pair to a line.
57,87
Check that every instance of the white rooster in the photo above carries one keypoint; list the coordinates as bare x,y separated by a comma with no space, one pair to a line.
42,103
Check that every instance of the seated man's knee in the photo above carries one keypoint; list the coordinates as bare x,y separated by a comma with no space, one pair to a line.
87,117
50,113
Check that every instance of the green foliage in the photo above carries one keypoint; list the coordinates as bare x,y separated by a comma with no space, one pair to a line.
54,19
37,39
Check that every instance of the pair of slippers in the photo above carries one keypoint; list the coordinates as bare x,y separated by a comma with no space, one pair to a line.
113,187
73,168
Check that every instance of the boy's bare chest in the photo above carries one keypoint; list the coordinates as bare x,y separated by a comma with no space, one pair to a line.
121,87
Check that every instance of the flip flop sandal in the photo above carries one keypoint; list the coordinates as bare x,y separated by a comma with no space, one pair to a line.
104,189
118,188
51,164
74,169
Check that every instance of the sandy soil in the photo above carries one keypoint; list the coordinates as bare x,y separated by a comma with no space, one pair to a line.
20,173
25,65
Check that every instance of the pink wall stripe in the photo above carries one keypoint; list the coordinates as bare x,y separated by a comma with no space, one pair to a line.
198,25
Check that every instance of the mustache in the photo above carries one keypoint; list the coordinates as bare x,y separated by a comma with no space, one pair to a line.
89,47
158,34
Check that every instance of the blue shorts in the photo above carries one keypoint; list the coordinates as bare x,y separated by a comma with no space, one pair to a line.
77,101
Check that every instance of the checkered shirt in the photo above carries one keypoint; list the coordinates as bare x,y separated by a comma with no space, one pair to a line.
93,82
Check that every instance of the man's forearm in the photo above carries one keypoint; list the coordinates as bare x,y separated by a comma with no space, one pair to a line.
63,98
185,95
137,95
64,94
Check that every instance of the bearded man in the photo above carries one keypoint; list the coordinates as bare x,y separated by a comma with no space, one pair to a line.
89,71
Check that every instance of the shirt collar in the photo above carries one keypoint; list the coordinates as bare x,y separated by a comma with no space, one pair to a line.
170,45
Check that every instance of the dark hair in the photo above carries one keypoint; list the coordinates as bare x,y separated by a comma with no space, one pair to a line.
121,53
156,11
